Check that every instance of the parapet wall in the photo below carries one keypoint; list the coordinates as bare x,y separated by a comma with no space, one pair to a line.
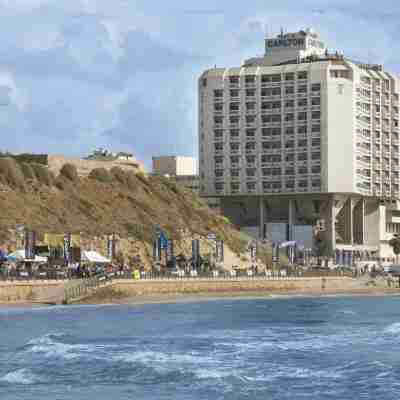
192,286
84,167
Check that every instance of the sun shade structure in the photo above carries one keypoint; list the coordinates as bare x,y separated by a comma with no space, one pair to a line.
94,257
19,255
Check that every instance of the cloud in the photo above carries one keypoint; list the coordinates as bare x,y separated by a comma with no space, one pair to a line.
79,74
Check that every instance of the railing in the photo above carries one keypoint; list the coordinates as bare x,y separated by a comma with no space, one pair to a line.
83,287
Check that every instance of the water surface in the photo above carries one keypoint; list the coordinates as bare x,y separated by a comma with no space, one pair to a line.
304,348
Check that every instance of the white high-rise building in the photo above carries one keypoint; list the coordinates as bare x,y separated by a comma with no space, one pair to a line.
304,138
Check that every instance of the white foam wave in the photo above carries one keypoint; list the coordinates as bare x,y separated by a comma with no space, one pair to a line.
50,347
21,376
393,328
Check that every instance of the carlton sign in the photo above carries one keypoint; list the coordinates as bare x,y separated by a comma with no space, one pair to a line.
293,42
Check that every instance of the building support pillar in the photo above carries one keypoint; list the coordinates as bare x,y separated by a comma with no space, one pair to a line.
263,212
292,218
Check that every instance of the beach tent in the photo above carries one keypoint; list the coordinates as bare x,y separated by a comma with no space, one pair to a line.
19,255
94,257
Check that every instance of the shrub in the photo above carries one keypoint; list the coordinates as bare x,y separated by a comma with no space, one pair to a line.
100,175
63,183
70,172
142,177
119,175
131,181
43,174
12,173
28,171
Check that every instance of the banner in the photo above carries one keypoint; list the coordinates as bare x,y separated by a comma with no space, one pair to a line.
275,252
111,246
196,252
169,250
156,249
67,248
30,243
219,250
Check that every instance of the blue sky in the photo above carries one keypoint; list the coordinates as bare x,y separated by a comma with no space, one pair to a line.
122,74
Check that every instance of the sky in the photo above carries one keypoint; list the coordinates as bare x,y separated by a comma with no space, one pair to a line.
76,75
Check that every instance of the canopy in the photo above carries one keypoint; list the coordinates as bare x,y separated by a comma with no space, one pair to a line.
19,255
94,257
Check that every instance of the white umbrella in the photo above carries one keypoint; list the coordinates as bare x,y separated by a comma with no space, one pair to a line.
94,257
19,255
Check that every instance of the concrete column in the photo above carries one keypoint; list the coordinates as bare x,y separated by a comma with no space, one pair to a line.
292,218
262,217
351,221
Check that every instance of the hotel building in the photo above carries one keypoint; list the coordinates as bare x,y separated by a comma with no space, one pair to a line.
301,143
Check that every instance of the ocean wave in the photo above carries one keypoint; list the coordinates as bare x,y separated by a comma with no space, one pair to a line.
21,376
54,345
393,328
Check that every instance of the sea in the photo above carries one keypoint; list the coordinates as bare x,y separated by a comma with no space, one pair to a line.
284,348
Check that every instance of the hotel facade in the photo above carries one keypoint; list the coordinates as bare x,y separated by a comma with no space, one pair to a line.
303,143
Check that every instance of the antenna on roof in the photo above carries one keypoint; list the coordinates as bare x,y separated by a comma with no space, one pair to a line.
281,31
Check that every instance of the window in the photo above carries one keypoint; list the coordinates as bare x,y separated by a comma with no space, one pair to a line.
276,78
289,157
302,129
250,145
302,89
219,173
316,169
250,133
218,107
218,133
219,186
289,76
289,90
276,185
250,92
271,78
218,146
316,128
316,156
234,133
289,103
234,146
289,117
302,103
266,171
235,187
266,186
234,107
250,159
234,159
289,185
316,183
316,142
289,171
316,101
234,119
316,87
316,115
218,120
250,106
302,116
218,93
218,160
302,170
251,172
234,79
234,93
235,172
266,105
303,184
250,119
276,171
302,143
302,156
289,130
250,79
289,144
302,75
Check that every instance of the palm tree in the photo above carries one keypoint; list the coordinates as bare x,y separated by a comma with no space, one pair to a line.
394,243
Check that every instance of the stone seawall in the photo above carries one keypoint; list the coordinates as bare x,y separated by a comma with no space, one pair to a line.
192,286
31,291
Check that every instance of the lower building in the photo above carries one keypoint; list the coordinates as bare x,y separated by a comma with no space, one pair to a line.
329,224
